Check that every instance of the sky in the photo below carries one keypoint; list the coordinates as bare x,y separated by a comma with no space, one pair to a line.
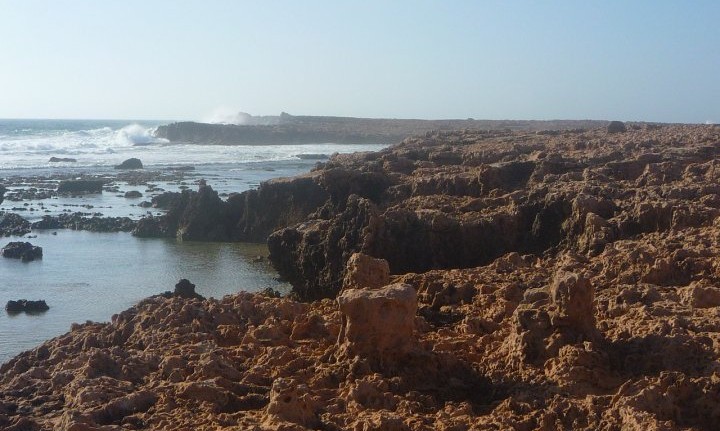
185,60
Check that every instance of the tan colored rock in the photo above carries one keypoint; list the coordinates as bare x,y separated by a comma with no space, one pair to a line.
291,402
378,324
572,295
366,271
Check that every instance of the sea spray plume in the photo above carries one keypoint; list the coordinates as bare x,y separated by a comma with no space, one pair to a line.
224,115
135,134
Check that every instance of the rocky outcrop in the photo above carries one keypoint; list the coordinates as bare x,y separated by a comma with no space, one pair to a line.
62,160
131,163
192,215
22,250
378,324
12,224
25,306
462,199
81,221
249,216
365,271
561,280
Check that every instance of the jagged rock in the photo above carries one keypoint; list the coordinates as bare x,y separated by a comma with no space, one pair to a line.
131,163
378,324
80,186
616,127
366,271
193,216
23,305
22,250
549,318
581,295
12,224
572,296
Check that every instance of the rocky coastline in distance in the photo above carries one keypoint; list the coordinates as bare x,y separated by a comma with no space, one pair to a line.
305,129
466,279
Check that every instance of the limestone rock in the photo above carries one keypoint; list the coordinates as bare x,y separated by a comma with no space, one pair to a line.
291,402
378,324
366,271
572,295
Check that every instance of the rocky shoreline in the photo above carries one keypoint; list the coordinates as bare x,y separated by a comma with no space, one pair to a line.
306,129
549,280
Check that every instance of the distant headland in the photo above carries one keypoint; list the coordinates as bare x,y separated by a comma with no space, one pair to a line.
303,129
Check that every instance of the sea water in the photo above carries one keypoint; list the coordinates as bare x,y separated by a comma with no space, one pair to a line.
91,276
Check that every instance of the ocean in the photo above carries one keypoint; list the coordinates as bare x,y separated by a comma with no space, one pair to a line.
91,276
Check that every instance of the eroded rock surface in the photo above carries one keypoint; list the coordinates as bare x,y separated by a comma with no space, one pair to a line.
563,280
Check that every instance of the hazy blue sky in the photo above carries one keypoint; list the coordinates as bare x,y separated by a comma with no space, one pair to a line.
630,60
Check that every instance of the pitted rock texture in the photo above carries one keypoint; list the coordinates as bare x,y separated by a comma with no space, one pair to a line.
462,199
605,314
378,324
365,271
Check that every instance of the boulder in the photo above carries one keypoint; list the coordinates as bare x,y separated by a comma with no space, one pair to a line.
378,325
62,159
23,305
616,127
80,186
22,250
2,193
131,163
133,194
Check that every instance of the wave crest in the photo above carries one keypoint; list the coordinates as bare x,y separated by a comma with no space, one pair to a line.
135,134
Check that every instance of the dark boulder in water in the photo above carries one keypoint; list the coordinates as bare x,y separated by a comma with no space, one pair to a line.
131,163
12,224
80,186
23,305
132,194
2,193
22,250
62,159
